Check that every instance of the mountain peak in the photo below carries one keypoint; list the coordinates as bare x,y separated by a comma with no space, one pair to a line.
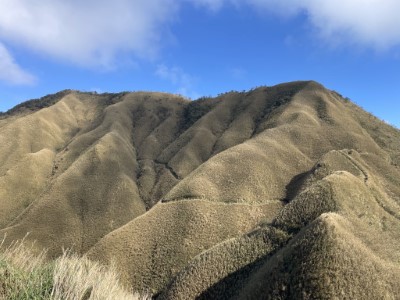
208,198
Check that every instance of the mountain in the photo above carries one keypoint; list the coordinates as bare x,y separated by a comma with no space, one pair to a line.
282,192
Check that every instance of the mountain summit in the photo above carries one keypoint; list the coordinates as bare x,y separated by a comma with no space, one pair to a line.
282,192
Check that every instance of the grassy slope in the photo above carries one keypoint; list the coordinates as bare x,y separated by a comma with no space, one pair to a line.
319,257
154,247
222,168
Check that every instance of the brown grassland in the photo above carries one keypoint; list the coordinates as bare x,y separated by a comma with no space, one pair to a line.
283,192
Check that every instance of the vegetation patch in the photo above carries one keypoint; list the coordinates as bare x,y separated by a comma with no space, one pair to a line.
197,109
25,275
36,104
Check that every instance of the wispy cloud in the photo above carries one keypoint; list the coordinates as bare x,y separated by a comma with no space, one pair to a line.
94,32
370,23
99,33
11,72
213,5
238,73
90,32
183,82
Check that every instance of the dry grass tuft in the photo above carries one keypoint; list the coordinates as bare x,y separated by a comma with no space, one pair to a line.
26,275
23,275
77,277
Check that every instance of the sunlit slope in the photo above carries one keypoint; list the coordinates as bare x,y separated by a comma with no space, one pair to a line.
283,192
75,166
154,247
283,144
338,238
28,148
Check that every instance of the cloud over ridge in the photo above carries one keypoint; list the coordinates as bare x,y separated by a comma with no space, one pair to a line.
373,23
96,32
87,32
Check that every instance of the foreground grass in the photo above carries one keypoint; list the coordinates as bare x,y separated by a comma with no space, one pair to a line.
24,275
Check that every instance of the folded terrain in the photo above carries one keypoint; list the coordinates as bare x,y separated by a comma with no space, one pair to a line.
283,192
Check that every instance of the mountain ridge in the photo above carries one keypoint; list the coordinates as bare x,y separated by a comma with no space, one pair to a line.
166,188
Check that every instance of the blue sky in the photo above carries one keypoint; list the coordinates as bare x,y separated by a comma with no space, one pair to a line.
201,47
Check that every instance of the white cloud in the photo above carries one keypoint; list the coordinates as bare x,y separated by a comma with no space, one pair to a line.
183,81
368,22
173,74
90,32
373,23
11,72
96,32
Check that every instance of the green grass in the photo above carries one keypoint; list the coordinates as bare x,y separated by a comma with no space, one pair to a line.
25,275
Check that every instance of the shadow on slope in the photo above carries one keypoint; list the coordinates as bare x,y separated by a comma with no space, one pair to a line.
307,251
88,172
